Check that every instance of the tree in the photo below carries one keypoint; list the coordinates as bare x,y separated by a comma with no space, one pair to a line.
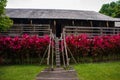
111,9
5,21
117,9
104,9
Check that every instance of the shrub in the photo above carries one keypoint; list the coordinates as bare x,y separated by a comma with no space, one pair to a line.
20,48
98,46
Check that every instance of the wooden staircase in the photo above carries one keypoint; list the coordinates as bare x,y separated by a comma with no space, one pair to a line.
58,72
57,52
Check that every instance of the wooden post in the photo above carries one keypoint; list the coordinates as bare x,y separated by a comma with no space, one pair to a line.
107,24
67,59
114,30
54,24
73,23
21,31
91,23
31,28
31,22
62,50
92,30
44,55
101,31
72,55
48,62
52,51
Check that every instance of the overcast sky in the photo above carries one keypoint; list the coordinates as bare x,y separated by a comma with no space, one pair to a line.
93,5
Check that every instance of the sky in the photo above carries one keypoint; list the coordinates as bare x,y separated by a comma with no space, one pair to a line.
91,5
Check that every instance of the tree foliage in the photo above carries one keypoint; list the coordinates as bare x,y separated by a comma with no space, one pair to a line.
5,22
111,9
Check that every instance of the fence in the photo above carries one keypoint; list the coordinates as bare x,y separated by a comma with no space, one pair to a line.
91,31
31,29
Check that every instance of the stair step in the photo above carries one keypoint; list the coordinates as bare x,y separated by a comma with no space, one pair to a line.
57,57
57,62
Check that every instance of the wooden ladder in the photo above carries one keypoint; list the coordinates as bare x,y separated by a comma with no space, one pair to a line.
57,52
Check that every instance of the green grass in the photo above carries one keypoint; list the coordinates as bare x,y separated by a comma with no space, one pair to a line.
19,72
87,71
98,71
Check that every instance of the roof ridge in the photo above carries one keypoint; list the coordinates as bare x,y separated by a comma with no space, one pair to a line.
49,9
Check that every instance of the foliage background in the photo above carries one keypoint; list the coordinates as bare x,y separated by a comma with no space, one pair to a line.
111,9
5,21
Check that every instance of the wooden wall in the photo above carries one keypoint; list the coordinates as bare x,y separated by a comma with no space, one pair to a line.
58,24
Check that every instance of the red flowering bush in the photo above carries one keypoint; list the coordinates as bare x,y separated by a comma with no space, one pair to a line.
82,46
78,44
22,47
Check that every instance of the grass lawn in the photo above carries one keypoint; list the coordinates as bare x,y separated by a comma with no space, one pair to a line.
19,72
87,71
98,71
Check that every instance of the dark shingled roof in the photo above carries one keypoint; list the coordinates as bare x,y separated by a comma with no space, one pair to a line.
57,14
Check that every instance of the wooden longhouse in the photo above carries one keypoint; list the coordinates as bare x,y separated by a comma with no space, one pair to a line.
57,19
